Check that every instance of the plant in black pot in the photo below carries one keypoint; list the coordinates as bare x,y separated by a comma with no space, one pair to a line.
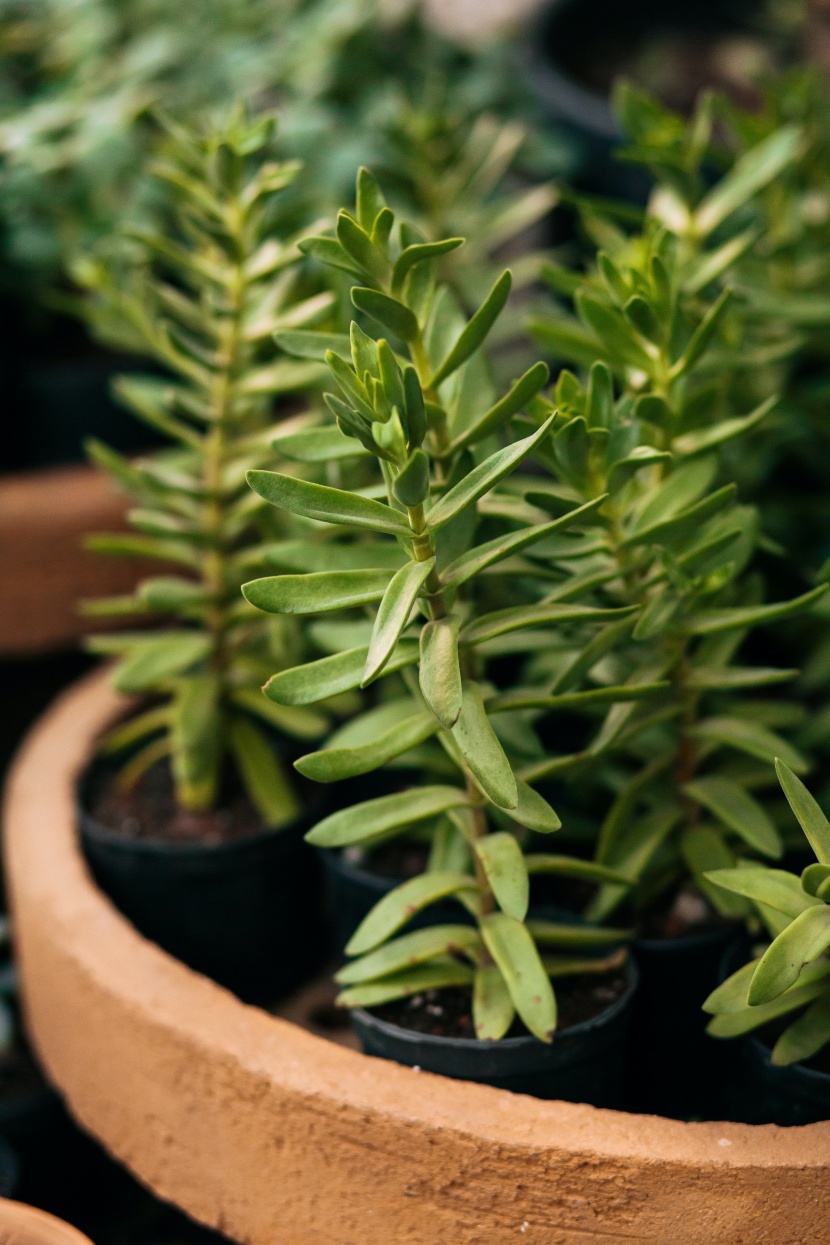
782,1075
683,768
190,820
472,997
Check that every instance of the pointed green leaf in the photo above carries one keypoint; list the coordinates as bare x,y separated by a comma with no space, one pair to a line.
368,197
315,592
729,678
262,773
482,752
504,866
780,967
514,951
308,344
753,170
807,811
411,949
474,333
774,887
373,819
556,934
390,312
738,617
153,659
493,1009
533,811
411,486
409,981
417,254
483,478
328,505
357,243
718,434
334,764
329,676
519,394
751,737
196,740
806,1036
500,622
440,671
393,614
404,902
729,998
317,445
736,809
572,867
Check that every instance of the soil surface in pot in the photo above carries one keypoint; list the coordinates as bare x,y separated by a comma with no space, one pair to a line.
449,1012
149,811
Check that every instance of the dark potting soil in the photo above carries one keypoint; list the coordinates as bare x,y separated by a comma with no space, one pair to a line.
682,913
448,1012
149,811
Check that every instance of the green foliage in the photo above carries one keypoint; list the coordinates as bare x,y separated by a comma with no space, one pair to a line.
202,301
415,392
792,977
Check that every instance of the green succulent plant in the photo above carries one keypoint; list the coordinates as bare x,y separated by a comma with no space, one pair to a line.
792,974
672,539
444,522
202,300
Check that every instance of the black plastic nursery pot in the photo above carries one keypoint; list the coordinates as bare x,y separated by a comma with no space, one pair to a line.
248,913
584,1063
574,41
761,1093
675,1069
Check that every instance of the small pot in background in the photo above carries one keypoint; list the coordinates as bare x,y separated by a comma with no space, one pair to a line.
584,1063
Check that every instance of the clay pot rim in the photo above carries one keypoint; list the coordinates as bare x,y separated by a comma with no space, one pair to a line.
29,1225
70,933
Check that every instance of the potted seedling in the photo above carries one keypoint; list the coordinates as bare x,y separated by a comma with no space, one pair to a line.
448,997
191,822
684,768
783,1075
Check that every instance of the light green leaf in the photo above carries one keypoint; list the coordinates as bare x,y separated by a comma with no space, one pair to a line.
393,614
317,445
482,752
307,344
729,998
411,949
718,434
483,478
196,740
738,617
315,592
262,773
504,866
514,951
774,887
493,1009
474,333
374,819
410,981
404,902
295,721
440,671
500,622
328,676
752,171
519,394
808,813
328,505
334,764
736,809
152,659
390,312
780,967
572,867
417,254
729,678
806,1036
556,934
751,737
533,810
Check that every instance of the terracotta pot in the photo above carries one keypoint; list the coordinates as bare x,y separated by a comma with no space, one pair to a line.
273,1135
25,1225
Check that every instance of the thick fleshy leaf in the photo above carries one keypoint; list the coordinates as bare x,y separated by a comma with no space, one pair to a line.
393,614
736,809
334,764
729,997
710,622
533,810
307,344
504,866
418,253
751,737
317,445
500,622
808,813
752,171
719,433
572,867
774,887
815,880
440,671
473,334
373,819
806,1036
328,505
780,967
411,949
328,676
196,740
514,951
493,1009
519,394
728,678
483,478
316,592
680,526
735,1023
293,720
492,551
522,698
482,752
556,934
411,486
262,773
404,902
410,981
390,312
152,659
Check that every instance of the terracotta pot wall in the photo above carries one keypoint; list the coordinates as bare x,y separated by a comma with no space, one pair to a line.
278,1138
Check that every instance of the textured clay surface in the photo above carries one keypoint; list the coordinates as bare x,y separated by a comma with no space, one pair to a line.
25,1225
277,1137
